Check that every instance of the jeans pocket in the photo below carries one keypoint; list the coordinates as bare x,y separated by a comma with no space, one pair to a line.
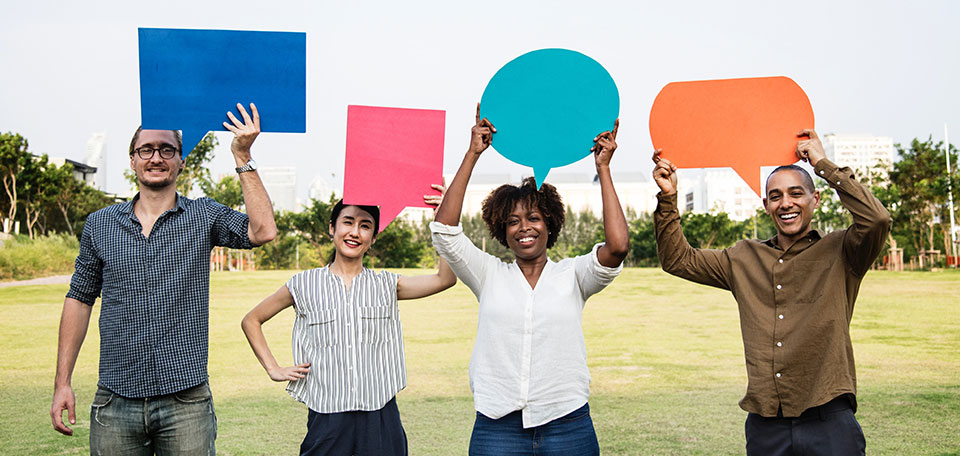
578,414
194,395
101,399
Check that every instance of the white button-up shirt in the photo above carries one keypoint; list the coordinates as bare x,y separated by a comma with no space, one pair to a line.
529,354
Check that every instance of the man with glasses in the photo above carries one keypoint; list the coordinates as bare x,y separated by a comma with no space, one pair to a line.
150,260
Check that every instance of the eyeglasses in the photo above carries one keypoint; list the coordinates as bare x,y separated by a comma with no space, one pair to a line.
146,152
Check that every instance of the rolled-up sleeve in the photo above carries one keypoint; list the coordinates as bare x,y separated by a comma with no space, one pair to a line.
87,280
469,263
229,227
593,276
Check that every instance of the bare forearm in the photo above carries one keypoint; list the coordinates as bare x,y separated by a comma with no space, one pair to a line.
253,330
449,211
262,228
617,236
74,321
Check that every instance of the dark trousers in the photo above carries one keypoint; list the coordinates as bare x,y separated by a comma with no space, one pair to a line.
570,435
360,433
830,429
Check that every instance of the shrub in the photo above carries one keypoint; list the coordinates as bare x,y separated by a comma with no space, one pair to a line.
22,258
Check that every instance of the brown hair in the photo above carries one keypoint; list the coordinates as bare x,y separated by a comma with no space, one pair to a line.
498,205
136,135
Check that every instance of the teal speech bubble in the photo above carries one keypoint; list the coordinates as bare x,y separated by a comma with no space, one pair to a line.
547,106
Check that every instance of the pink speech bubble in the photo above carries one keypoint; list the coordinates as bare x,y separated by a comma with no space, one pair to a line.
740,123
393,156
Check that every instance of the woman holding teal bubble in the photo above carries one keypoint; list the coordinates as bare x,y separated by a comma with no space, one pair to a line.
528,370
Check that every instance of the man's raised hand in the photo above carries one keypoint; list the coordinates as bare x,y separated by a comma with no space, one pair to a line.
664,174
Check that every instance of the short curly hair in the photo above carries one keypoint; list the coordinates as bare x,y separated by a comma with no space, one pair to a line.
498,205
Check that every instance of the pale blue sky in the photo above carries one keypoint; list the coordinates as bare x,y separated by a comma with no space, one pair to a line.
881,67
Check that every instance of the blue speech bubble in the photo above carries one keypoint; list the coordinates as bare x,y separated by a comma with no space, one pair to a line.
189,79
547,106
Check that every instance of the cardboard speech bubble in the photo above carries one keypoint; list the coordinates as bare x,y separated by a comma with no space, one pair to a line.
393,156
189,79
547,106
741,123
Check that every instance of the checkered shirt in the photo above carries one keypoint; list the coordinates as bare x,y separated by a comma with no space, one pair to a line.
154,323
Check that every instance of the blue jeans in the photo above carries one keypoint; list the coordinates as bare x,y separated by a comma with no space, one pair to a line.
570,435
181,423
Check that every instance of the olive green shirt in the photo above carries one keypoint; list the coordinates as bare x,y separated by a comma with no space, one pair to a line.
795,304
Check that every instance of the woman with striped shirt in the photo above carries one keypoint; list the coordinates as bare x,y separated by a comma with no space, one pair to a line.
347,340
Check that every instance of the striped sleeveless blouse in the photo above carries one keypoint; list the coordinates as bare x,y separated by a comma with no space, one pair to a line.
352,340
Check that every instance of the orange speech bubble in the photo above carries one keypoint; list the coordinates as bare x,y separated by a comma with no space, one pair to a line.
741,123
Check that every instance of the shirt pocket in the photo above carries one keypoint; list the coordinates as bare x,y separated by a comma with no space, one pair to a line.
377,324
813,277
322,327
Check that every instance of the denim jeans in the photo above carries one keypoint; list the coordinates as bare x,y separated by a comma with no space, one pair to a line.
181,423
570,435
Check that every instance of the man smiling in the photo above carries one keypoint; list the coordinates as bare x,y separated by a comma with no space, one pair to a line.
149,261
796,293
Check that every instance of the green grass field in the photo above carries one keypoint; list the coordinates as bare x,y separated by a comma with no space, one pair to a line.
665,356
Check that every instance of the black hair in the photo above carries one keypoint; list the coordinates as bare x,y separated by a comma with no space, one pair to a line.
498,205
807,180
374,212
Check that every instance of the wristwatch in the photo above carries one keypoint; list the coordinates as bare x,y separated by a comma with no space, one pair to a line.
250,165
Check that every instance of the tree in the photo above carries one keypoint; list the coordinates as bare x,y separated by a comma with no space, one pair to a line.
67,190
13,158
706,231
920,182
226,191
830,215
581,230
396,247
37,186
643,242
195,170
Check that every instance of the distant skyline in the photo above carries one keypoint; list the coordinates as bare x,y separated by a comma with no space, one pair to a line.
883,68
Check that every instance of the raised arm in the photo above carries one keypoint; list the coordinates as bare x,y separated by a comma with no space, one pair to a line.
481,135
426,285
864,239
262,227
616,235
253,328
73,329
677,256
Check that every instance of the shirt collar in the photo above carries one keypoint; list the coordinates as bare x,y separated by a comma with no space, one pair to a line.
813,235
127,208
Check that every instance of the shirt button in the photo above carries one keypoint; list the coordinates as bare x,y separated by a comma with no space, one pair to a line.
780,316
778,375
781,260
779,286
821,172
779,344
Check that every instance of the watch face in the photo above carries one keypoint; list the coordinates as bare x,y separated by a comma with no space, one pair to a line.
251,164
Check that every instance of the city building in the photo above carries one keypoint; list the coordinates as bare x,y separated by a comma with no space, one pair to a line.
95,156
714,190
863,153
81,171
281,185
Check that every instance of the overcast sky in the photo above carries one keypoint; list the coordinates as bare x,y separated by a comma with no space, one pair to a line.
70,69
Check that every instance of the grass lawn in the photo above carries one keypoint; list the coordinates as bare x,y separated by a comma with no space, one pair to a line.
665,356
